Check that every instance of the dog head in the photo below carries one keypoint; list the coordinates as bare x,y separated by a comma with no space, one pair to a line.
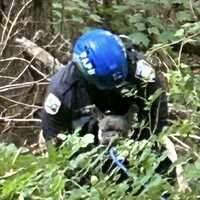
111,128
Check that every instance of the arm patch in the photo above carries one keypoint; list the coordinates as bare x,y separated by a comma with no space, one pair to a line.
52,104
145,71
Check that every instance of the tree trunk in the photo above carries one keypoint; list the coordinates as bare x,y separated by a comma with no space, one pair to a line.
21,18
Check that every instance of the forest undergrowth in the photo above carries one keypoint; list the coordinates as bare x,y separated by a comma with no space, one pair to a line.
168,31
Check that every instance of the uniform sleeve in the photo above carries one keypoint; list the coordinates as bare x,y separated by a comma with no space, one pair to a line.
55,124
157,116
56,117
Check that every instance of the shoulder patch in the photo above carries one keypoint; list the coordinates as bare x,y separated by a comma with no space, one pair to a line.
52,104
145,71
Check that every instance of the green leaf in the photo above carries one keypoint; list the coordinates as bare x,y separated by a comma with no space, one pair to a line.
137,18
57,5
52,152
62,136
140,26
155,22
197,164
153,98
166,36
76,18
82,4
193,28
120,8
166,2
179,33
87,139
154,30
183,16
95,18
140,38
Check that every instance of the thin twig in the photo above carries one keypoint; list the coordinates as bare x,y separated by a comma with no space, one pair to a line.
13,24
28,62
184,145
20,103
8,77
22,72
39,53
192,10
190,135
11,173
180,52
4,119
22,85
172,155
7,20
194,136
172,43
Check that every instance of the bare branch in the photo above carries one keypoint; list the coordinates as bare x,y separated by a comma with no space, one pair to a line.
22,85
5,119
184,145
172,155
7,21
42,55
8,77
28,62
12,26
20,103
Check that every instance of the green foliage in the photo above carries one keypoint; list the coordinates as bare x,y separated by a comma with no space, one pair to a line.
74,171
154,24
184,87
146,22
26,176
58,174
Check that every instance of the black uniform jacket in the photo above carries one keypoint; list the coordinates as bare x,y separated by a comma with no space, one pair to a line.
68,92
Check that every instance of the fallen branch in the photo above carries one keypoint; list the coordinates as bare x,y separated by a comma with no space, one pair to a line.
172,155
21,85
39,53
20,103
178,113
11,173
12,26
4,119
24,60
188,136
185,146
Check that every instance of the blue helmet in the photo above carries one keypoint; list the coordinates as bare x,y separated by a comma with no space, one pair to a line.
101,57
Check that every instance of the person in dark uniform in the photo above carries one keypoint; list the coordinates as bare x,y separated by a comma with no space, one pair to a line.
100,69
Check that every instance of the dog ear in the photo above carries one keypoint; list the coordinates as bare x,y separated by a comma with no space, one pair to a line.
97,114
